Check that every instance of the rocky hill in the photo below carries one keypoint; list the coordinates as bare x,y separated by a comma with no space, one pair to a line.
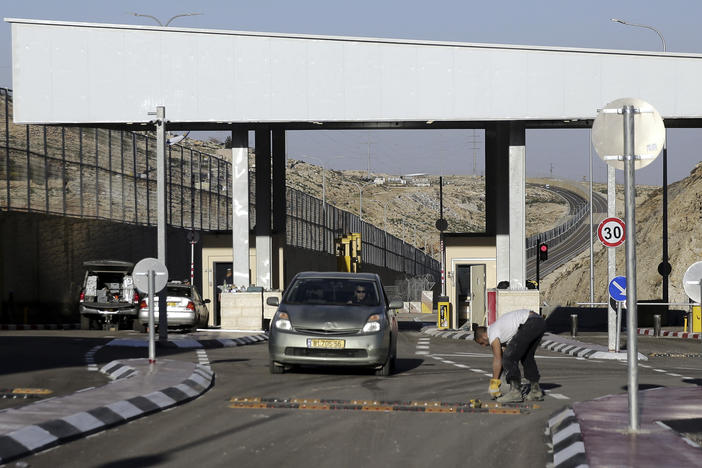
410,212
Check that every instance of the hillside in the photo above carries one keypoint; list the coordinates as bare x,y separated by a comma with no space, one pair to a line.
410,212
570,283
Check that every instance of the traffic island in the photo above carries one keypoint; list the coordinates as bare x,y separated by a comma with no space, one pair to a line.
147,389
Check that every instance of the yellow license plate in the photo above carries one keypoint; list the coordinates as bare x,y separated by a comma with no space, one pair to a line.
172,304
325,343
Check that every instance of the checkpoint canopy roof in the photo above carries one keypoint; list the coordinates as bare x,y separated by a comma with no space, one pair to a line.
85,73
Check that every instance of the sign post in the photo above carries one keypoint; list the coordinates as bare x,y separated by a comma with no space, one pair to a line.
151,276
629,134
193,238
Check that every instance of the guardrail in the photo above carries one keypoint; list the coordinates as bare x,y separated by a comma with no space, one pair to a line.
556,235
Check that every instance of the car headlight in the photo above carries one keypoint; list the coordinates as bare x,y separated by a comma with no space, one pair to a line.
282,321
372,324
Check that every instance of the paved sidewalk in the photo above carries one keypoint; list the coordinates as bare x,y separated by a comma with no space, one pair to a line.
138,389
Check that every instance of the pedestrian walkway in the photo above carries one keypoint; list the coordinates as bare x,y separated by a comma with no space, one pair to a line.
596,432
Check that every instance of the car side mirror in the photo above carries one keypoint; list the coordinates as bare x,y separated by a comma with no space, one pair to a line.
207,301
273,301
396,305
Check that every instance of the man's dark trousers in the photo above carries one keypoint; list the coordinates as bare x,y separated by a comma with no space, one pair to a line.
521,348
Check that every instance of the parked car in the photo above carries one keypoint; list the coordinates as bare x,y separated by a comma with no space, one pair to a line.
185,307
108,295
334,319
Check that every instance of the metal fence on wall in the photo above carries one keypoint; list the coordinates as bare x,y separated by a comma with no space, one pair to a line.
111,174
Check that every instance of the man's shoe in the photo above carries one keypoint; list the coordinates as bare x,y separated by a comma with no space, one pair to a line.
513,396
535,393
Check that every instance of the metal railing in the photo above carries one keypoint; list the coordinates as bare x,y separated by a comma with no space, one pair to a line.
556,235
110,174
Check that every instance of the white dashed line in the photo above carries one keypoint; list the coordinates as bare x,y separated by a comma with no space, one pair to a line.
90,358
557,396
422,352
673,375
202,358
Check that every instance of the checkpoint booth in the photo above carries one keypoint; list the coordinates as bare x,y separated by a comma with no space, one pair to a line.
471,282
471,270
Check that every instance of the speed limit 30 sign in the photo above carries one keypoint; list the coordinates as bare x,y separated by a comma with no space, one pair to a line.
611,232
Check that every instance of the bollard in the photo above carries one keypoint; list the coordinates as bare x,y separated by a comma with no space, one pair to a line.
657,325
573,325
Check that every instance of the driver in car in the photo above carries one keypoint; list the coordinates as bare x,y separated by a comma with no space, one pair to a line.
360,295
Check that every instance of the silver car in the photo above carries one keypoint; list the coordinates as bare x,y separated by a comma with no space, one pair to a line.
334,319
185,307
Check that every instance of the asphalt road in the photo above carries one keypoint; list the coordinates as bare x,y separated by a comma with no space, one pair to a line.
209,431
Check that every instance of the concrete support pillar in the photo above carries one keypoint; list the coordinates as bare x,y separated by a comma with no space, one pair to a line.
497,192
517,206
240,208
264,240
279,208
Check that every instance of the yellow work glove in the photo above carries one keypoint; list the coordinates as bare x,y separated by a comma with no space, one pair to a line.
494,389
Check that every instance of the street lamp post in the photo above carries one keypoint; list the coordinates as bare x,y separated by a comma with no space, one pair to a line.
664,267
167,22
360,198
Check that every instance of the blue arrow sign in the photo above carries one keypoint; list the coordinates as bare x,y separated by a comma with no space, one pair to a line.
617,288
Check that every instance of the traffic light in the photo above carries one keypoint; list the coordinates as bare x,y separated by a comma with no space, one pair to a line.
543,252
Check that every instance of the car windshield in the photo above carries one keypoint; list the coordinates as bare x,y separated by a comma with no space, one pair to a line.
178,291
333,291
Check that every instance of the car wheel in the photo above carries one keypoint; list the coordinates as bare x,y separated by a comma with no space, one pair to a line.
386,369
276,368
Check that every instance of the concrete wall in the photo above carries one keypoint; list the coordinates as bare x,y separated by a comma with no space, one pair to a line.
42,257
41,261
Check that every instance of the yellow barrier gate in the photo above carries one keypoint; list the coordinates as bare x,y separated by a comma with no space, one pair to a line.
348,253
443,308
696,319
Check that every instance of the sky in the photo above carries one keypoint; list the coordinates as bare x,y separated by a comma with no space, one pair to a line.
561,23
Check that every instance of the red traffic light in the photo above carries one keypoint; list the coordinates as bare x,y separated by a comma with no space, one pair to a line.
543,252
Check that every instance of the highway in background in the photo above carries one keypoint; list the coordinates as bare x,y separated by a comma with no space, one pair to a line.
575,241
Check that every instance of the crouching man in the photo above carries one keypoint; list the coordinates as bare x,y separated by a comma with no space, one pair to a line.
520,333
